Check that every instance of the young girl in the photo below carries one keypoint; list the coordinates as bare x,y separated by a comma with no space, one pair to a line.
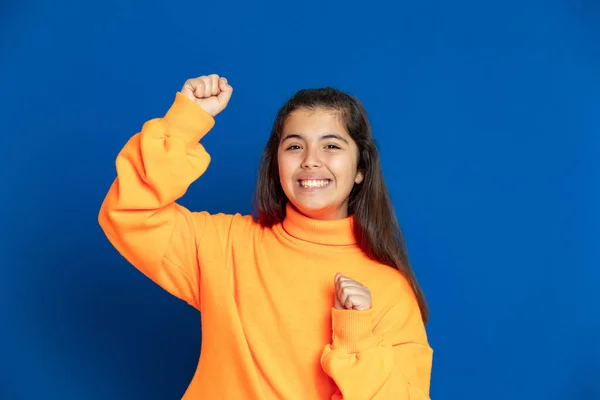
315,298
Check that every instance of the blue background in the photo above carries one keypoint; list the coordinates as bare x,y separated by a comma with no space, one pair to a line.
487,117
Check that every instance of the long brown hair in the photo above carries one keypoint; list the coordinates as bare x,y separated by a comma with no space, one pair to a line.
376,228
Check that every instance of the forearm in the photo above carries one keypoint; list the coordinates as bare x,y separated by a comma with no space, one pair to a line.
367,365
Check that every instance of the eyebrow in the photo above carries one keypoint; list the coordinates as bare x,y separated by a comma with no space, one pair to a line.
323,137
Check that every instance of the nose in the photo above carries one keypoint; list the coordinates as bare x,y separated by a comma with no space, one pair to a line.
312,159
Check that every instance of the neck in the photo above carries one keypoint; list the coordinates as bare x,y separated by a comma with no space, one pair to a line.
337,232
325,214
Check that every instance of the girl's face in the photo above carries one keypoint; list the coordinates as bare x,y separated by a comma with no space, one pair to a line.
318,163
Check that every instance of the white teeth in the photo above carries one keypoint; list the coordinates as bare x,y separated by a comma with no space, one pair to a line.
313,183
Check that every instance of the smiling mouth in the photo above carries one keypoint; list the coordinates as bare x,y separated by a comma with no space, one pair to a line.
313,183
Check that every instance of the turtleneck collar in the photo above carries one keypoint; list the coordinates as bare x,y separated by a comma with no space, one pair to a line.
337,232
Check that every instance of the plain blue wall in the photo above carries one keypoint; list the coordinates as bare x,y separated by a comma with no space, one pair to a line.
487,117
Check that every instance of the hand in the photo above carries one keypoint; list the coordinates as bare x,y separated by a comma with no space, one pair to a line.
211,93
351,295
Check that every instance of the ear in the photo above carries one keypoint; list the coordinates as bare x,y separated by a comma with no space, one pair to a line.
359,177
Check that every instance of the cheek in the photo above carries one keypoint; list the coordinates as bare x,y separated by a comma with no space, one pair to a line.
285,167
344,168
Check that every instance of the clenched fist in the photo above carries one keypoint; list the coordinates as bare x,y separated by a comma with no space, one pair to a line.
211,93
351,295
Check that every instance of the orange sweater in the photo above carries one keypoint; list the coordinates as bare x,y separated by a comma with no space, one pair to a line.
266,295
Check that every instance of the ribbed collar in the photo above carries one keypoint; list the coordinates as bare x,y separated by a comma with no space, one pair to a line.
337,232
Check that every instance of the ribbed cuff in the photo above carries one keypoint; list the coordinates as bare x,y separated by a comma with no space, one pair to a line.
185,118
353,330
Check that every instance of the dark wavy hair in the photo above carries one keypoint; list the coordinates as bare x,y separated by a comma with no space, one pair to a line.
376,228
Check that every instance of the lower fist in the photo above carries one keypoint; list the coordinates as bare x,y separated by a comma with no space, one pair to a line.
211,93
351,295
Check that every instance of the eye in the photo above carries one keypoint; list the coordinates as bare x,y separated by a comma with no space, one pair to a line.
332,147
294,147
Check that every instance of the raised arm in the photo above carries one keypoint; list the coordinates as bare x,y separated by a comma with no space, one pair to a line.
140,216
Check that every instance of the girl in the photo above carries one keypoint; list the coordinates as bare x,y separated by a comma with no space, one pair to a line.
315,298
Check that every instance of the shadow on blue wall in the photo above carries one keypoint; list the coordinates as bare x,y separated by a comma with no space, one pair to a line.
124,337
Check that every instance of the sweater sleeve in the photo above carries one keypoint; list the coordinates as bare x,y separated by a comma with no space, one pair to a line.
389,358
140,216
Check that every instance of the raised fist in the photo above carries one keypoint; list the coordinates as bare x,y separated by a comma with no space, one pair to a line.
211,93
351,295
